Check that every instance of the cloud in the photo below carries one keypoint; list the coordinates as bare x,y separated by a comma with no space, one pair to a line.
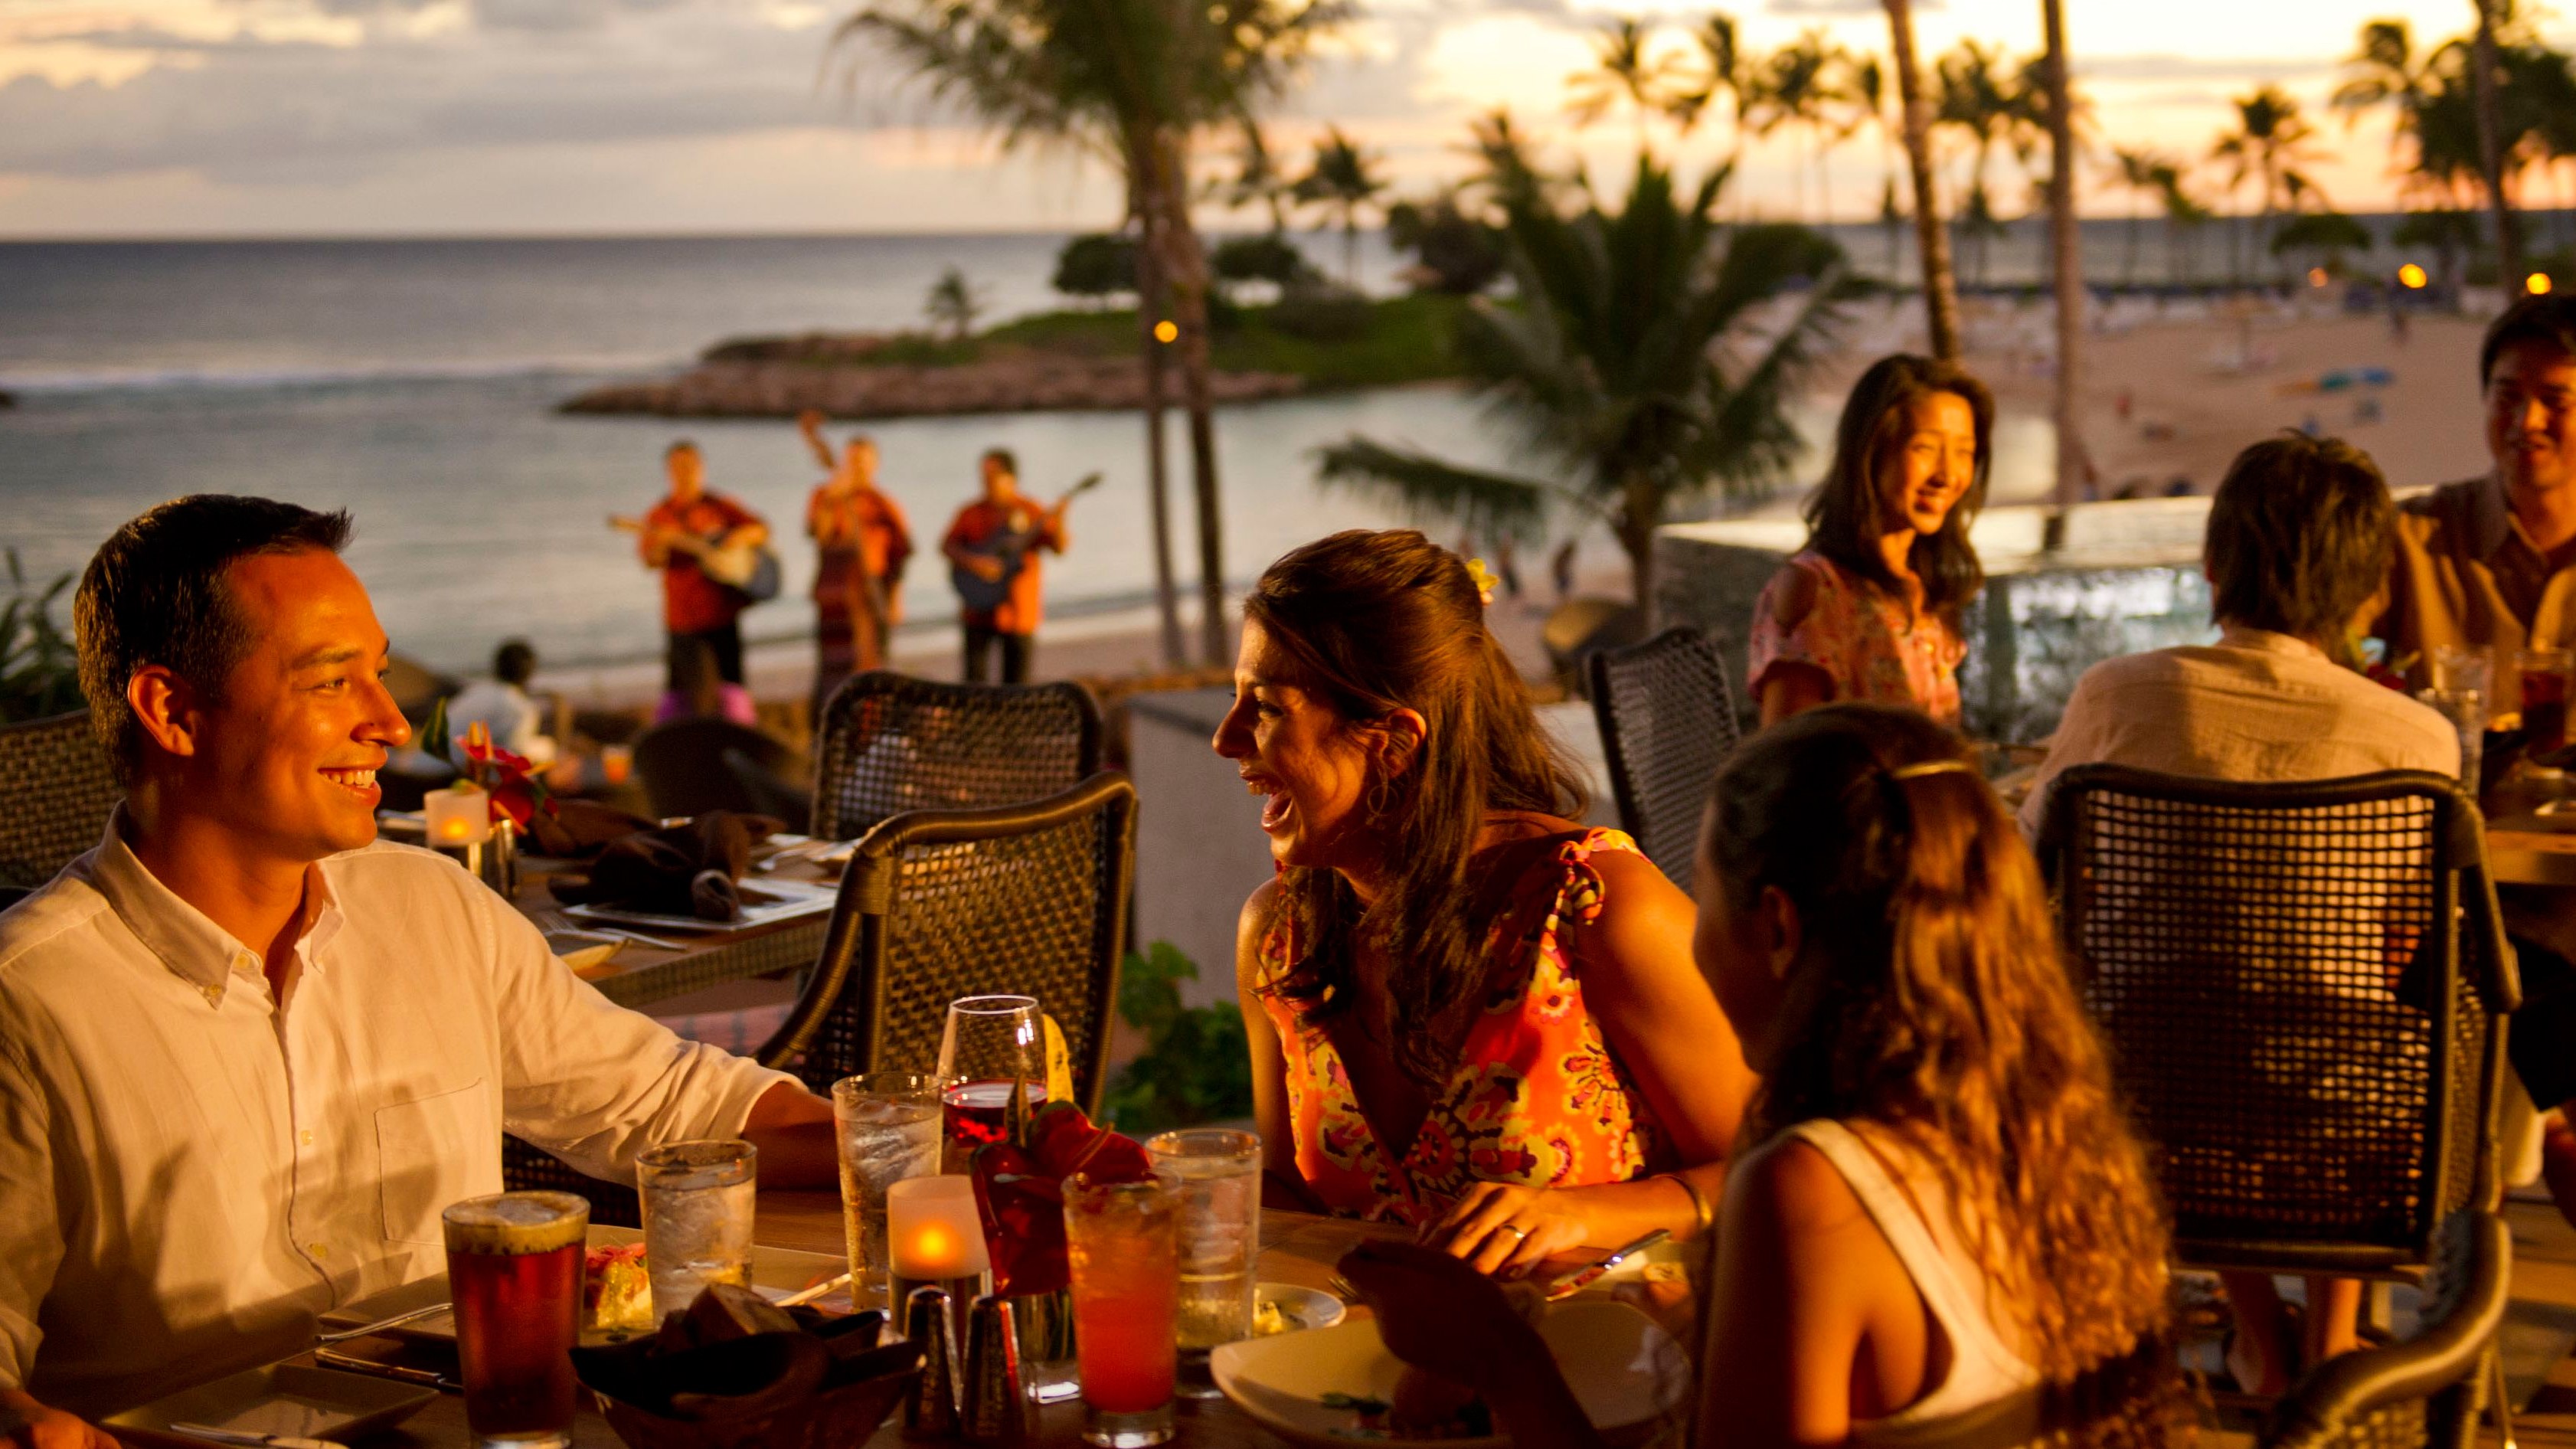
1841,7
2185,67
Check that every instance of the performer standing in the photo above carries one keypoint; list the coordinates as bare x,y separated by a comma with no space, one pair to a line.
686,535
992,549
862,543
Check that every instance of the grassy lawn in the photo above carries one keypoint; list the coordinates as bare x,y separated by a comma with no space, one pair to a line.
1384,342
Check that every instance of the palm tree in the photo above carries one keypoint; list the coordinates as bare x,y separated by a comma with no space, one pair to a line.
1641,365
1799,86
2269,142
1867,92
2066,260
1978,97
1625,69
1133,84
2384,70
1343,181
1728,65
2184,217
954,303
1258,180
2140,172
2492,146
1940,282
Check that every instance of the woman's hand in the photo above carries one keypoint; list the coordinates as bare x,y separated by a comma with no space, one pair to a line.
1507,1229
1442,1316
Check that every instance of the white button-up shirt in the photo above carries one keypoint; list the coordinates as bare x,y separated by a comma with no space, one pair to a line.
191,1170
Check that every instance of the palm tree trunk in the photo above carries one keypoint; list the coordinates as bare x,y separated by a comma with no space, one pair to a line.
2490,157
1152,305
1185,273
2066,257
1640,510
1940,281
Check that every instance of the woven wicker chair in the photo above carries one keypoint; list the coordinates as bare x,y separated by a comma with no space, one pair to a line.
2425,1389
526,1167
888,743
1667,721
56,790
939,904
2304,986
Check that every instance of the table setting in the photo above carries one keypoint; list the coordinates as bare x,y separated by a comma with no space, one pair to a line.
996,1268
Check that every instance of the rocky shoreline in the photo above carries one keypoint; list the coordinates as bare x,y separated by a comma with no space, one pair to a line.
853,376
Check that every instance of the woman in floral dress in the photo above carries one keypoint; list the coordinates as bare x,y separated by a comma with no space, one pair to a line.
1869,609
1468,1012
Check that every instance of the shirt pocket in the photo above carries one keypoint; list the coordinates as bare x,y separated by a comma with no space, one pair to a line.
431,1152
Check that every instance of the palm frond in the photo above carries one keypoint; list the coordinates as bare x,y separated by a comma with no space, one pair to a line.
1484,503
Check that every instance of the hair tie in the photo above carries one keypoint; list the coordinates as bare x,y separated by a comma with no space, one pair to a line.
1931,767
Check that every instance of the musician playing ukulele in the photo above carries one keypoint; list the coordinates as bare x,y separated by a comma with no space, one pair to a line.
677,537
993,549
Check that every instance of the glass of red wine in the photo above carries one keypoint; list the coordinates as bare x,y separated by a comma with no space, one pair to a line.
993,1045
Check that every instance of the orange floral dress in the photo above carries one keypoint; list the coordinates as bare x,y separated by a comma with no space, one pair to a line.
1537,1097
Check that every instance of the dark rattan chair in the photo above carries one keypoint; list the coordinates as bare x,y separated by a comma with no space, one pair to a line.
56,791
2424,1390
888,743
693,766
1667,720
526,1167
939,904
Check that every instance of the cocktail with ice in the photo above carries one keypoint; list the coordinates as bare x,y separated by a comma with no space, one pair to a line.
1217,1172
1122,1244
889,1128
514,1274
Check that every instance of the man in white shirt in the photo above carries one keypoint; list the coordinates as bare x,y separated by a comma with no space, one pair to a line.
502,706
248,1053
2299,540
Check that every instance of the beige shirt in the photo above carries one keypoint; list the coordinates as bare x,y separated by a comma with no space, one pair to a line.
2253,706
2466,575
191,1171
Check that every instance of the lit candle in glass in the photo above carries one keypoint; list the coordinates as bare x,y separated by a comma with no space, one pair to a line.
932,1230
461,816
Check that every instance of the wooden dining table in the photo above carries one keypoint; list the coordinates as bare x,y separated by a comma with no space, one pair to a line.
1296,1248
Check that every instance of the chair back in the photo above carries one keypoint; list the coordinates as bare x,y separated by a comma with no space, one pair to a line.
56,791
2423,1390
685,771
939,904
1667,721
888,743
2303,987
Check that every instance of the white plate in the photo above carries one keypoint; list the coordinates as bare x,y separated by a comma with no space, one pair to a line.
283,1398
775,1272
1623,1369
762,902
1304,1308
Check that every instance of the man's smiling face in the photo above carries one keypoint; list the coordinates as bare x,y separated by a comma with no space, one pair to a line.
287,756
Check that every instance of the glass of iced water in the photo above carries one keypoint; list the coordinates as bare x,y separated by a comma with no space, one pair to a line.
698,1199
2466,709
1218,1172
889,1128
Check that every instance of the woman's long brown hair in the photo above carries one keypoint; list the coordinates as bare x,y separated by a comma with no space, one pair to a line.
1932,1000
1374,622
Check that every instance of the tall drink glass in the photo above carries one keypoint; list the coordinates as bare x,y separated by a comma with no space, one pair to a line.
2544,696
698,1202
1122,1242
1217,1172
991,1045
514,1273
889,1129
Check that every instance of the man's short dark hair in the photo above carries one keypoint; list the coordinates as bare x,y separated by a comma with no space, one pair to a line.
684,445
154,593
2549,319
1009,463
515,662
2299,536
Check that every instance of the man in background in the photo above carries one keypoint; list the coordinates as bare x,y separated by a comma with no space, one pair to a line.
993,545
862,544
676,537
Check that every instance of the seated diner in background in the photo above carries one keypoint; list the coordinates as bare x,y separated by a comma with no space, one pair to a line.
249,1052
1870,608
1468,1012
2297,546
1938,1210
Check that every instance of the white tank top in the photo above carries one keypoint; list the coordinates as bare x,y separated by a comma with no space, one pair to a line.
1984,1368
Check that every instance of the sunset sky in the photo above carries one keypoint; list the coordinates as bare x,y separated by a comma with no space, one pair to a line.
412,117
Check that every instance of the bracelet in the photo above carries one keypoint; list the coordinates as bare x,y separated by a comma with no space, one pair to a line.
1701,1216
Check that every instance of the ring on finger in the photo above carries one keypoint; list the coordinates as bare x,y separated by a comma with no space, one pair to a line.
1516,1230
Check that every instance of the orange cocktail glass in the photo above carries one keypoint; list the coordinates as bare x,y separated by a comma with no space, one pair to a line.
1122,1242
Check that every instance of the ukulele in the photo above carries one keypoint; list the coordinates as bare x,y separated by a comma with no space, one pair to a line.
749,569
1012,547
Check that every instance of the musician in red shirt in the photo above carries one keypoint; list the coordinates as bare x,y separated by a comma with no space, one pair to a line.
695,608
993,545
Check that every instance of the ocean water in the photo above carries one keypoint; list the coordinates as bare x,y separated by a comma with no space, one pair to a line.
412,383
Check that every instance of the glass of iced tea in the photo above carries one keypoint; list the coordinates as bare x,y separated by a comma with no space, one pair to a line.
1123,1244
514,1274
992,1045
2544,696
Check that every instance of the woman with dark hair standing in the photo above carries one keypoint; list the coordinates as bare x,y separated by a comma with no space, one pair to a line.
1940,1218
1869,609
1468,1012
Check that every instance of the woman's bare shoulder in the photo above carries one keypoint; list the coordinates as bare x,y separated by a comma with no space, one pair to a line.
1260,912
1791,594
